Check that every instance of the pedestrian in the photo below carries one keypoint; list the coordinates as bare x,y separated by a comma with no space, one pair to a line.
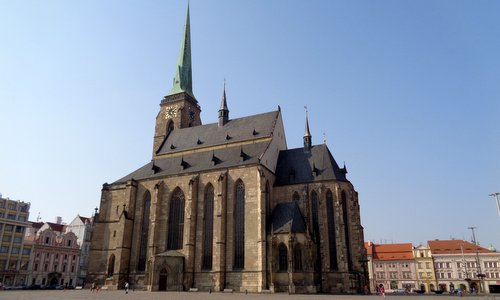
382,290
126,287
92,287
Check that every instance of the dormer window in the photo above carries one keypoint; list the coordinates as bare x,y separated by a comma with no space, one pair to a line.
47,240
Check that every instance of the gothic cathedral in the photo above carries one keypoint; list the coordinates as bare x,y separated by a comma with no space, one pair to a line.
226,206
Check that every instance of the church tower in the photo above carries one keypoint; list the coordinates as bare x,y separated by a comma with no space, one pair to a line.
178,109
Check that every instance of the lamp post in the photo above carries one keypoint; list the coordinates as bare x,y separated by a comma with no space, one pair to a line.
479,274
498,203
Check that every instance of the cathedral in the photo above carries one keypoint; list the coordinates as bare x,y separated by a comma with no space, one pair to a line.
228,207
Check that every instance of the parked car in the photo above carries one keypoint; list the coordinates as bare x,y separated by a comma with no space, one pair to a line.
54,287
34,287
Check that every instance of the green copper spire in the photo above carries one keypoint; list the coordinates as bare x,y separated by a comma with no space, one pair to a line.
183,79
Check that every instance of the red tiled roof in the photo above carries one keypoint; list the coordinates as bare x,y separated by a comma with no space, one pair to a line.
36,225
391,251
455,247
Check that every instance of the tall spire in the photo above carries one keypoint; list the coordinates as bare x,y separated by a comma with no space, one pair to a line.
183,74
223,110
307,133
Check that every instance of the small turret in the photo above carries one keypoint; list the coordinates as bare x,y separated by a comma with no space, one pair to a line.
223,110
307,134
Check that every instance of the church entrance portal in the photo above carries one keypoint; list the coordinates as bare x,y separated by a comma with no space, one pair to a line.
162,284
168,271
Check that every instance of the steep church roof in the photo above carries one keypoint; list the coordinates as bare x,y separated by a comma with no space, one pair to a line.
301,165
234,131
286,218
239,142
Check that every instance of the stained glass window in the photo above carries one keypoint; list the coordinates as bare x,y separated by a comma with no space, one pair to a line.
208,228
176,221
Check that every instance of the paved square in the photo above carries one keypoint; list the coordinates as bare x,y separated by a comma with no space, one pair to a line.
141,295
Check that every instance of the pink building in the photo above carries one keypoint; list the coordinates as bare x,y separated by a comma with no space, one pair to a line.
392,265
56,255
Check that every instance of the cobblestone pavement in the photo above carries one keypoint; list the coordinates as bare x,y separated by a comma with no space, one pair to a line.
140,295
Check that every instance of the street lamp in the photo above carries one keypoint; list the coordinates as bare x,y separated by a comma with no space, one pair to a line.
498,203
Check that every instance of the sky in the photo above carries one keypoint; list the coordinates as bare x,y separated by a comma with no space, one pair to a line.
405,93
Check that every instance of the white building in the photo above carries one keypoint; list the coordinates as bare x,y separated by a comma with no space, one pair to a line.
82,228
461,264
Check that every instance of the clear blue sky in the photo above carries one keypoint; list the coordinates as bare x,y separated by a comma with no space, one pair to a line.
406,93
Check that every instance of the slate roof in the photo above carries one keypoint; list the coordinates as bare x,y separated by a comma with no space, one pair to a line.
84,219
238,130
56,227
286,217
188,154
454,247
297,166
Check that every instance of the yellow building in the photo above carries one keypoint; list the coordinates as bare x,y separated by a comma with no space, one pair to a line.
426,280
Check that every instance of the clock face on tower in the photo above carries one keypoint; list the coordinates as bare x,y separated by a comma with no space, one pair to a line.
171,112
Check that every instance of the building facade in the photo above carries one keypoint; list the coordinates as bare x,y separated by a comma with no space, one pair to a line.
426,279
392,265
82,228
228,206
55,257
14,250
465,265
442,266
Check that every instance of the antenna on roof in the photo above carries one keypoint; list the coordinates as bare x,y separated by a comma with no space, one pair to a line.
38,217
324,138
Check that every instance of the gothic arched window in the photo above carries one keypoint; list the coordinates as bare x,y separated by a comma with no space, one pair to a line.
111,265
239,227
315,215
332,243
268,201
297,257
143,248
282,258
346,230
208,215
176,221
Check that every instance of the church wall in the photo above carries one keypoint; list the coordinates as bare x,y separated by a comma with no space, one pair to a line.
334,280
161,193
109,232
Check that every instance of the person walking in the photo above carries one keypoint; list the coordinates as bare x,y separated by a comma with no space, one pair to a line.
382,290
126,287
